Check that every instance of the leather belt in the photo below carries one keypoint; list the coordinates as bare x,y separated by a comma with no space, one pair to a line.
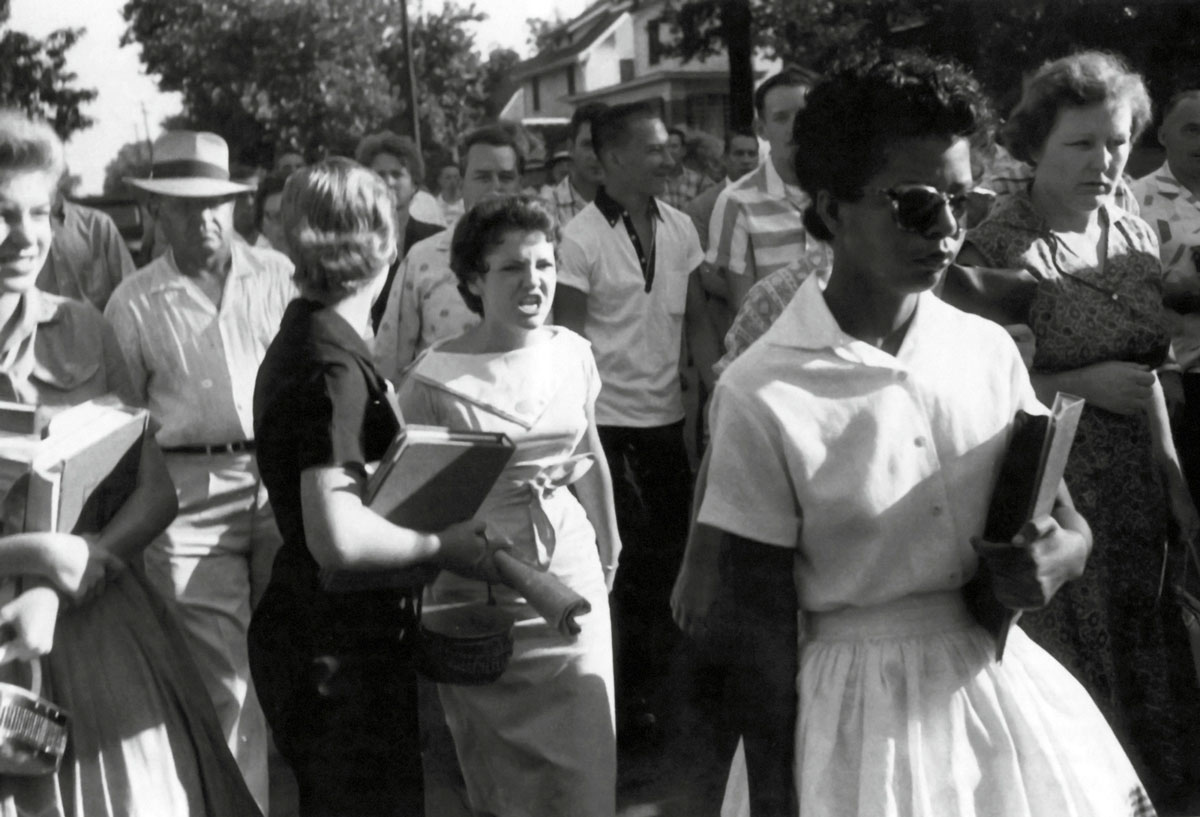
238,447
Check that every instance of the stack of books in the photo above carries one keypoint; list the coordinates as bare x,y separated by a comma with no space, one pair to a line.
68,472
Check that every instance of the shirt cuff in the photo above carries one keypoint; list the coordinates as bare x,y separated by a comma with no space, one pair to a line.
781,531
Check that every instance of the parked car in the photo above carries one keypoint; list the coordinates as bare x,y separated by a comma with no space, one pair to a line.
125,212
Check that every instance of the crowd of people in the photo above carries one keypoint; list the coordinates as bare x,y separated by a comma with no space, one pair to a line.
867,305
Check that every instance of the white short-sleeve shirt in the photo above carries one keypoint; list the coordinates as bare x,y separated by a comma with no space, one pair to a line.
194,364
877,469
635,335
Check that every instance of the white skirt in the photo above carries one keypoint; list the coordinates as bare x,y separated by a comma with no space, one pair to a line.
904,712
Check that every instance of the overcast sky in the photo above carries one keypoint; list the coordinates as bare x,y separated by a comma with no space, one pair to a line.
116,73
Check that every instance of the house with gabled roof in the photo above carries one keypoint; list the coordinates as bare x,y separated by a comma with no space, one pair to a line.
618,51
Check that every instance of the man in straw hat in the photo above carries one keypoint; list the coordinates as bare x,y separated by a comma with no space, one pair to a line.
193,325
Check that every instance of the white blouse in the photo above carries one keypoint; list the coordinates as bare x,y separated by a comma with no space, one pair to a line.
877,469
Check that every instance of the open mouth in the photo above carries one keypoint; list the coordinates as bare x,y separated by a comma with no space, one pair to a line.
530,304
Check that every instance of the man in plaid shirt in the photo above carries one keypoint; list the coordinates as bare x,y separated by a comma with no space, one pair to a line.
684,184
578,189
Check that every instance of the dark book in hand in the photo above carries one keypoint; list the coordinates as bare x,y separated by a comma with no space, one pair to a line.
1026,489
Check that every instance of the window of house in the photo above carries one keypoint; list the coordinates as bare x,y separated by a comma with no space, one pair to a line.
570,80
652,34
536,90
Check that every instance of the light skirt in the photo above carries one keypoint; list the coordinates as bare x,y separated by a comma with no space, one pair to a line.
541,741
905,713
144,739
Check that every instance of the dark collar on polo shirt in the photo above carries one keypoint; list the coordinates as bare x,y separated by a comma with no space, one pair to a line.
613,211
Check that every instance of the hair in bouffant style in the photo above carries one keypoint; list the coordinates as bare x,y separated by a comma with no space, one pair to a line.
340,228
1077,81
29,146
483,229
865,106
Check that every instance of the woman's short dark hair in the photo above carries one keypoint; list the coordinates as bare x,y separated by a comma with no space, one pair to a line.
1078,81
340,227
271,184
483,228
864,107
401,147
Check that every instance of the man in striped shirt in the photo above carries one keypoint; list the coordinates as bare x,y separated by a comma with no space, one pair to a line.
756,226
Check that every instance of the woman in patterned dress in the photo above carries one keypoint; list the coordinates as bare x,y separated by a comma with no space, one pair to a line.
1095,307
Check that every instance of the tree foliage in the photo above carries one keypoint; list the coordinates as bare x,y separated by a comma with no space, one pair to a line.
319,73
544,33
34,77
999,39
132,160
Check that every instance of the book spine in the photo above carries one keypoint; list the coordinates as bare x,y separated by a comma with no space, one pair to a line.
41,507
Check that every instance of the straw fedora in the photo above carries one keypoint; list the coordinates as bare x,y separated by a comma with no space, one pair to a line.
190,164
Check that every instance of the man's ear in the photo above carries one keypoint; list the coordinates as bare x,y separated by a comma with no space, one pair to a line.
827,211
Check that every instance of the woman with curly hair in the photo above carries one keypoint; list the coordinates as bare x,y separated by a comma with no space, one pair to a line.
540,741
854,452
1094,303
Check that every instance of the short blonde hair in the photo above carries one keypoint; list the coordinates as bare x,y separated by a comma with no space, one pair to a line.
340,227
29,146
1080,80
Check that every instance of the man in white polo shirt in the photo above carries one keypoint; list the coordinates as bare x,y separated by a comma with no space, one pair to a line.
757,224
626,282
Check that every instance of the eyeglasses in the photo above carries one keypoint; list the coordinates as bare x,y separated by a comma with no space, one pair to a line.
916,208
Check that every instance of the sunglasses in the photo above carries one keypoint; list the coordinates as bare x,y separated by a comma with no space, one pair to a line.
917,208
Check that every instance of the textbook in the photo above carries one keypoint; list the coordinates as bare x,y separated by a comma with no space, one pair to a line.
1026,489
76,475
430,478
85,469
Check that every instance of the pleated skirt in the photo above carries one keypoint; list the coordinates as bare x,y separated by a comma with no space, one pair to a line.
904,712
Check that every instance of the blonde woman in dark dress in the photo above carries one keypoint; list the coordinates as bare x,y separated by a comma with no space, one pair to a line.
335,672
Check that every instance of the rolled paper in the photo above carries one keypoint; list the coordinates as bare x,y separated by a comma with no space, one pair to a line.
553,600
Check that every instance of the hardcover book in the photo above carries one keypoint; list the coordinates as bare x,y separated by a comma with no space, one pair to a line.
430,478
1026,489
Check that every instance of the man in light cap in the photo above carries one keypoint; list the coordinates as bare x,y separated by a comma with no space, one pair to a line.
193,325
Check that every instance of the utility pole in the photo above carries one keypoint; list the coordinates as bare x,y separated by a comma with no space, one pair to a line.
146,125
735,20
414,115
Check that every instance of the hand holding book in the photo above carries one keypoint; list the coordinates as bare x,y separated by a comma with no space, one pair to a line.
1027,571
1027,492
